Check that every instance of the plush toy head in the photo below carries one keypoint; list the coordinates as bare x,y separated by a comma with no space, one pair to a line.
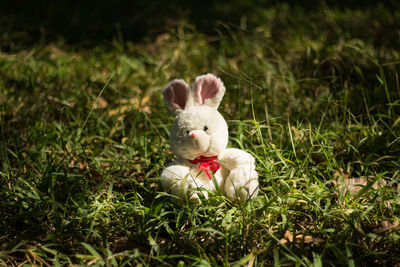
199,129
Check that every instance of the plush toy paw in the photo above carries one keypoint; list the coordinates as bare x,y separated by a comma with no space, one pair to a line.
242,183
178,181
195,196
232,158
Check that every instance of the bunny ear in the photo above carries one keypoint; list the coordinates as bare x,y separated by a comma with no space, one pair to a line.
176,95
208,90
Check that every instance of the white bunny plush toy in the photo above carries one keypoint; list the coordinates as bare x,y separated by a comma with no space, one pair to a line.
199,137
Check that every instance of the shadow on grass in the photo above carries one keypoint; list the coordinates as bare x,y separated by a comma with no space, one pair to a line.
88,23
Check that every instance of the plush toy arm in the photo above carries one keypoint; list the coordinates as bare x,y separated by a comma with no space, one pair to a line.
242,181
176,179
232,158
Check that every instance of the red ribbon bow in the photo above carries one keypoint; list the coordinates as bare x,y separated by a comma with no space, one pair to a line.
207,164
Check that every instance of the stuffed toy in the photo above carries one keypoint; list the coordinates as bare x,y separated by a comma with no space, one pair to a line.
199,137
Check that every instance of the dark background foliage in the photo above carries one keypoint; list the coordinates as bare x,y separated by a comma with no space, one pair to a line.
92,22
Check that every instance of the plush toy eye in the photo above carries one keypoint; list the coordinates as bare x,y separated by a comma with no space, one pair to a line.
205,128
187,132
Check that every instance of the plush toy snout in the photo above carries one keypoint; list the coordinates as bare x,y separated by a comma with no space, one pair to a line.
196,134
199,140
193,135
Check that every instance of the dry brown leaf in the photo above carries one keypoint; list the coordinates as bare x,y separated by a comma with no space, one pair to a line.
386,226
64,102
121,110
144,100
71,164
288,236
105,164
338,174
100,103
307,239
141,104
310,239
137,166
343,182
83,166
146,109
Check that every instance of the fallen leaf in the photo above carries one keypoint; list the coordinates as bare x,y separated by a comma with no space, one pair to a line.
340,173
83,166
105,164
100,103
146,109
310,239
120,110
386,226
71,164
137,166
63,102
307,239
288,236
344,183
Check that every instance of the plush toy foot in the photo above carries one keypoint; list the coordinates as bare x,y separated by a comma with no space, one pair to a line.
195,197
242,183
177,181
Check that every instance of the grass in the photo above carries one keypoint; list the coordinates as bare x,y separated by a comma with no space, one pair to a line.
313,96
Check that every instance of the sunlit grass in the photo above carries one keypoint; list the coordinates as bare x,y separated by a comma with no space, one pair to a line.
84,136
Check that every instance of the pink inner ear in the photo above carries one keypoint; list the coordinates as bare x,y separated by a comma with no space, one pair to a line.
177,94
206,88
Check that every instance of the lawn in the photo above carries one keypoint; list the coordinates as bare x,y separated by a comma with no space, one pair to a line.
312,93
